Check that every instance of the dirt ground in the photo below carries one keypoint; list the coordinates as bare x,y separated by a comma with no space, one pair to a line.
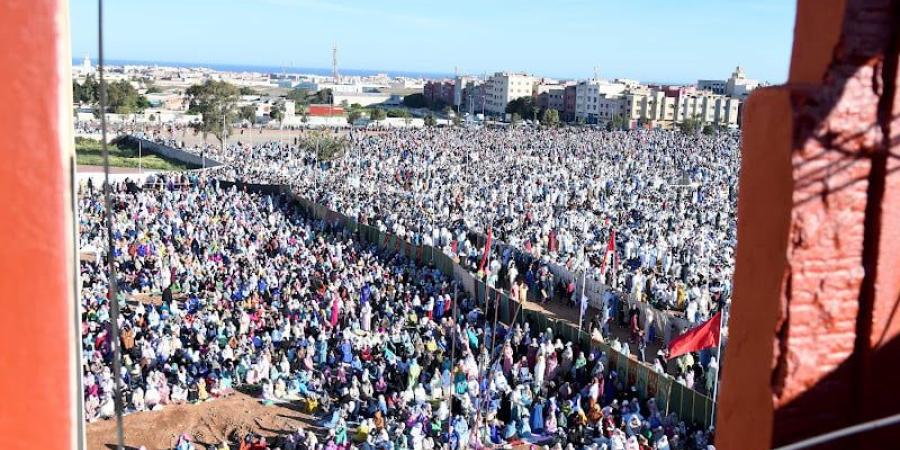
211,422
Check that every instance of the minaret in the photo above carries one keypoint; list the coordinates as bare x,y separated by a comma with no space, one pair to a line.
334,64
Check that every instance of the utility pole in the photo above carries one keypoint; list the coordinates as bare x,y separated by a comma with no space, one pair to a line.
334,64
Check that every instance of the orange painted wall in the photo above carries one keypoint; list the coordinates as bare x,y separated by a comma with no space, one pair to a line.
37,317
815,331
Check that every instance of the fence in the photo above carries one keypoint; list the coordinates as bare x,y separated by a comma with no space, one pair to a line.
690,405
663,325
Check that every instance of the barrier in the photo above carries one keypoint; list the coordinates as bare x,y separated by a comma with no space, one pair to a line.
170,153
670,396
667,324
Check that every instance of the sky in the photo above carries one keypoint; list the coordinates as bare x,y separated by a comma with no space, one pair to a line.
677,41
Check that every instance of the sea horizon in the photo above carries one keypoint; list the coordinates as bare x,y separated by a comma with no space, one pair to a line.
228,67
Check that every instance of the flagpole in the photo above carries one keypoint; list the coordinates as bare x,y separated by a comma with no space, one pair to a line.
719,362
453,337
581,307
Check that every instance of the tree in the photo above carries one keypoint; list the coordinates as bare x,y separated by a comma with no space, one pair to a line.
414,101
616,123
523,106
457,121
377,114
709,129
429,121
276,112
438,105
353,115
550,117
215,101
87,92
247,90
535,109
398,113
303,111
690,125
323,96
515,120
248,113
579,120
299,95
152,118
447,110
326,146
152,89
77,92
123,98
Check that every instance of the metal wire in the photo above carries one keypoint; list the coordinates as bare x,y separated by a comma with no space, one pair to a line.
113,279
843,432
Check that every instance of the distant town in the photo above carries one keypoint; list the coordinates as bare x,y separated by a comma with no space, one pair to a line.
155,93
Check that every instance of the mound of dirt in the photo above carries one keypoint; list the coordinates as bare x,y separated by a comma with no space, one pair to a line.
211,422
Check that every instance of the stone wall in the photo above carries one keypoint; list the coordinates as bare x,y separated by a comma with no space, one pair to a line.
196,161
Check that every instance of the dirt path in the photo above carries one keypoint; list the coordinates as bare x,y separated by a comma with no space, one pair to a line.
211,422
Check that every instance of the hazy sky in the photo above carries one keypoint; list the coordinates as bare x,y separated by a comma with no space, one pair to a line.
648,40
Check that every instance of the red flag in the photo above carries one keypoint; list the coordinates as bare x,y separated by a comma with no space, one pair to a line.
487,249
697,338
610,248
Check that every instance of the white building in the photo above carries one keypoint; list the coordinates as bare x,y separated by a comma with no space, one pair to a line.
714,86
504,87
739,85
708,108
588,96
363,99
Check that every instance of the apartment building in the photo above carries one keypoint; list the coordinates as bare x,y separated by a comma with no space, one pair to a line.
714,86
709,108
588,94
550,95
569,97
439,92
504,87
738,85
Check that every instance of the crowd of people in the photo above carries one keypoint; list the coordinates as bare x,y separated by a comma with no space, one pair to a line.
666,200
222,289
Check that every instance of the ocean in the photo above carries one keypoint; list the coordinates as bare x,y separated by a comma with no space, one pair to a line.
271,69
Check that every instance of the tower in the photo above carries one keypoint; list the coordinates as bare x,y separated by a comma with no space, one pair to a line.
334,64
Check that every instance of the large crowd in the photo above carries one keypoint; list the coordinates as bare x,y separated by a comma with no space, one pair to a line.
666,200
222,289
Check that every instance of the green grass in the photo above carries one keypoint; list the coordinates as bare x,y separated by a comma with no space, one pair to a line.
88,152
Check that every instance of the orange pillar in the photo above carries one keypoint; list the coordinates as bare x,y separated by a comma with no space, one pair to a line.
38,363
814,333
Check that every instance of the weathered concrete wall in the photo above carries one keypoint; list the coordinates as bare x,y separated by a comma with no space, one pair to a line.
171,153
814,330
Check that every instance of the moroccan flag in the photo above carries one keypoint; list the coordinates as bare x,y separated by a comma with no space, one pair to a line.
610,248
697,338
487,249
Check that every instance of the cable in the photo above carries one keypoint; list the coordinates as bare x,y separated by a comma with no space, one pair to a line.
843,432
113,279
